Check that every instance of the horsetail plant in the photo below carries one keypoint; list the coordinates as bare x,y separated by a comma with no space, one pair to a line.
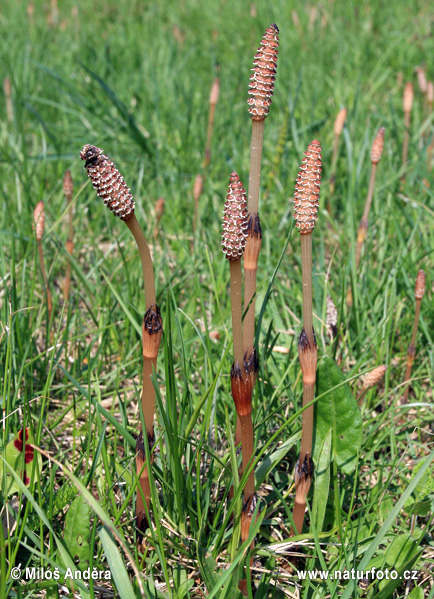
112,189
39,225
233,244
306,202
68,188
419,292
261,89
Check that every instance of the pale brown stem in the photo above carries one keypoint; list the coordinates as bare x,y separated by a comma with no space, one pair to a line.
145,256
255,165
298,516
307,352
306,274
150,343
307,418
148,394
249,318
237,329
411,352
247,454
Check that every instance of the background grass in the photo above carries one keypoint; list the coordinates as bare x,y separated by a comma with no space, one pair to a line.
134,79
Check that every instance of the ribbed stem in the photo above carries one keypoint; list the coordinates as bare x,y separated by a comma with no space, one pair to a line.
255,165
249,318
237,331
145,257
307,418
247,453
306,274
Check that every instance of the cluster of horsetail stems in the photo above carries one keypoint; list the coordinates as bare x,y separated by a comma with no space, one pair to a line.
112,189
68,188
233,245
407,104
39,224
337,128
419,292
306,202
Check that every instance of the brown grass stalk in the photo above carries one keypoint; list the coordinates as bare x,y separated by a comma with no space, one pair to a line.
306,202
411,351
112,189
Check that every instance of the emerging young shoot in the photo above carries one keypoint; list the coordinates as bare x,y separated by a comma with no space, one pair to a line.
68,188
233,244
306,202
112,189
261,89
419,292
39,224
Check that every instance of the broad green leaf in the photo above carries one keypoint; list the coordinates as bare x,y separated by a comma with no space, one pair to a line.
117,566
387,587
322,483
416,593
401,550
384,509
425,487
337,411
271,461
420,508
20,455
77,532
